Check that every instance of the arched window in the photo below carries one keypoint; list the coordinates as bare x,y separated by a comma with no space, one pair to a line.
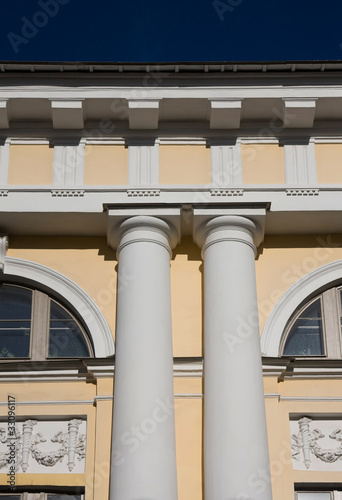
34,325
298,324
315,329
56,304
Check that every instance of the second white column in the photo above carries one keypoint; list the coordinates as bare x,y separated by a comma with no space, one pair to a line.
236,461
143,443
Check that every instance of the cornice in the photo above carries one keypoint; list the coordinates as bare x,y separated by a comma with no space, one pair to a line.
91,369
206,67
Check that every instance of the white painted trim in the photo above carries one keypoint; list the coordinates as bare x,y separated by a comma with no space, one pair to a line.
291,300
104,141
50,403
225,113
68,164
226,165
259,140
4,162
87,310
29,141
143,165
311,399
187,141
327,140
4,120
300,164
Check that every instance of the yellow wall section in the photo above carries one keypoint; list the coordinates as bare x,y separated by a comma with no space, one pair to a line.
89,262
106,165
263,164
283,260
30,164
188,418
184,164
186,299
329,163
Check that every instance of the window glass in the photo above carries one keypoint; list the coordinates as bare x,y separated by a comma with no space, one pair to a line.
306,335
15,321
66,338
10,497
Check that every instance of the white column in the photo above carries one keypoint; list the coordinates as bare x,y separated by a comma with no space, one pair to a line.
143,442
236,461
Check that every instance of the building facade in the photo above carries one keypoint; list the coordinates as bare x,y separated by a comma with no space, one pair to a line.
170,281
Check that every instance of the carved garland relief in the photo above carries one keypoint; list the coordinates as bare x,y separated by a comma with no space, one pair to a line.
316,444
39,446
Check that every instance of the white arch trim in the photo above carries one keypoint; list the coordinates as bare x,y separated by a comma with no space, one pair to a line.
87,309
291,300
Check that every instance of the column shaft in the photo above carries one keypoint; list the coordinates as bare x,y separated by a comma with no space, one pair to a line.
236,459
143,443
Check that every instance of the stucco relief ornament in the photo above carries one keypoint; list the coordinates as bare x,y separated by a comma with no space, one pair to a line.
72,445
305,444
71,442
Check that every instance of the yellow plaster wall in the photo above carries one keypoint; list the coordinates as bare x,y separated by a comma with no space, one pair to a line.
329,163
186,299
87,261
283,260
263,164
180,164
106,165
99,423
188,386
30,164
188,419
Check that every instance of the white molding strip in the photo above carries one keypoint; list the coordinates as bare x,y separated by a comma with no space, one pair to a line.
104,141
327,140
258,140
186,141
312,399
4,162
176,396
51,403
29,141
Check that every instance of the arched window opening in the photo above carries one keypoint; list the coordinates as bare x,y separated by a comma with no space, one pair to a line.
35,326
315,329
305,336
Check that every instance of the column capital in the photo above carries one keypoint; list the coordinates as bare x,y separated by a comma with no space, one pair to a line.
247,226
128,226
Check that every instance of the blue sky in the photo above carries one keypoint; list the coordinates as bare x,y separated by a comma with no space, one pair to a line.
174,30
